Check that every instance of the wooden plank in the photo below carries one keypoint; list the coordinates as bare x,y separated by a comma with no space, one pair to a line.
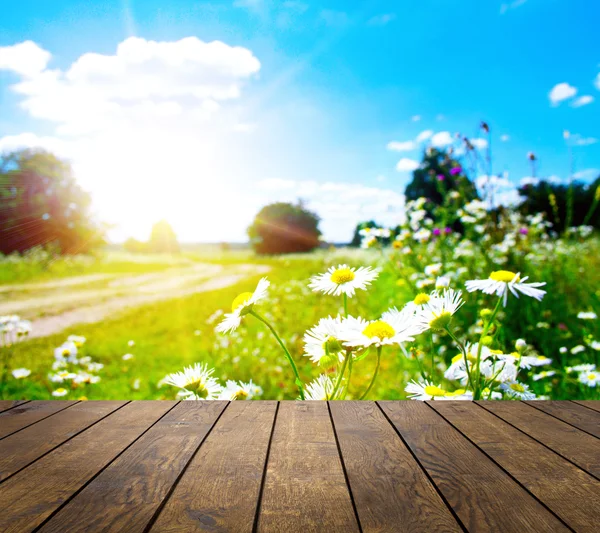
125,496
220,488
24,415
560,485
305,488
24,447
5,405
590,404
577,446
577,415
376,460
32,495
483,496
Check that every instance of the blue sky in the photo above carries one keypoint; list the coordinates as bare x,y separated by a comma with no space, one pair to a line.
302,99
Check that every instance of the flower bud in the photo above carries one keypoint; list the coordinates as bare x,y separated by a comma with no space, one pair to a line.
485,313
487,340
521,345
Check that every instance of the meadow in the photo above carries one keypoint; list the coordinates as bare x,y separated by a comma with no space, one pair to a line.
534,347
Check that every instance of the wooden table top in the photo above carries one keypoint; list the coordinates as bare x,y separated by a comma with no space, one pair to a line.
299,466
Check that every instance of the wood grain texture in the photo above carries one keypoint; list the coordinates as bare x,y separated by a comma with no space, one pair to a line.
27,445
125,496
575,445
24,415
5,405
29,497
577,415
388,485
219,489
560,485
305,488
590,404
484,496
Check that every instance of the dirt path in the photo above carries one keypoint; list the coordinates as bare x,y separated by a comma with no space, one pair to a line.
153,289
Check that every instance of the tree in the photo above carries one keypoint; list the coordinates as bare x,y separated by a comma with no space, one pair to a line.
42,205
163,238
281,228
437,175
553,200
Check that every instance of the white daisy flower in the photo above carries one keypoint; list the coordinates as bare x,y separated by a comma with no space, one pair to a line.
61,377
503,281
343,280
544,374
235,390
94,367
242,305
196,383
424,390
20,373
587,367
323,342
319,389
67,351
563,349
443,282
433,270
130,343
591,379
60,392
82,378
518,390
595,345
394,327
577,349
587,315
127,357
436,313
77,340
457,369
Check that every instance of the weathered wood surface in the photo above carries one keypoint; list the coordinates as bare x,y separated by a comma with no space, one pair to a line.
299,466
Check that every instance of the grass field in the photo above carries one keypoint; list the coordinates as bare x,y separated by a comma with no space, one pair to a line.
164,335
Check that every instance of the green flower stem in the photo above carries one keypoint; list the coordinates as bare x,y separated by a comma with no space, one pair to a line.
374,374
349,376
464,352
432,354
340,376
287,353
486,328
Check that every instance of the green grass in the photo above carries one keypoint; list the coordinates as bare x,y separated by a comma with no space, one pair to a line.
166,338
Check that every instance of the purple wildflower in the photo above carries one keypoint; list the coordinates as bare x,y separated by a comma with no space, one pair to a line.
523,231
455,170
437,231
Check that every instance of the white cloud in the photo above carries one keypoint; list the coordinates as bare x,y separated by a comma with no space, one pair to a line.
149,130
407,165
346,204
597,81
415,118
583,141
583,100
405,146
381,20
424,135
560,92
529,180
496,182
441,139
440,117
26,58
331,17
505,138
586,173
479,143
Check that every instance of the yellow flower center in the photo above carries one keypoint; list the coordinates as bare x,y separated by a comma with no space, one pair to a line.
241,395
432,390
591,376
342,275
517,387
66,351
198,388
397,244
441,321
421,298
379,329
460,357
457,392
239,300
503,275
